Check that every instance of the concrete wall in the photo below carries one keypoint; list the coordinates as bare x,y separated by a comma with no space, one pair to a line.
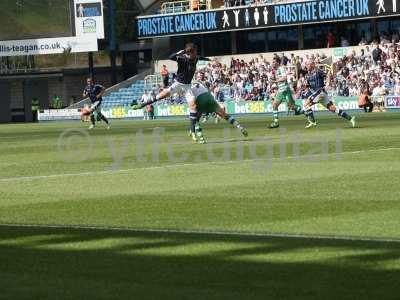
16,94
72,85
5,101
161,47
34,88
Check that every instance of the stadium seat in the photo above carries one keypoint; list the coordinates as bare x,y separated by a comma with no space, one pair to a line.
125,96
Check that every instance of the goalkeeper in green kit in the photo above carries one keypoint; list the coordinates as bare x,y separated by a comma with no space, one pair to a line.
205,104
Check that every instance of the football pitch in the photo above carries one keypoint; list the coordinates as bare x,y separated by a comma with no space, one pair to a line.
141,212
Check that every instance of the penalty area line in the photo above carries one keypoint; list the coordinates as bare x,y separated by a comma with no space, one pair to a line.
168,166
206,232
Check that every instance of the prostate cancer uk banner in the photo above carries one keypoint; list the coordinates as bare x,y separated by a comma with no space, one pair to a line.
263,16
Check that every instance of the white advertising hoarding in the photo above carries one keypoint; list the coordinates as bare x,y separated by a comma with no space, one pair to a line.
59,114
89,18
48,46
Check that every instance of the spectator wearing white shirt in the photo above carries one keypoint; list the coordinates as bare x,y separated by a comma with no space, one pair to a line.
353,90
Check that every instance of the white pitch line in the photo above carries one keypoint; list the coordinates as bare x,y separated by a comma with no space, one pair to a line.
30,136
28,178
205,232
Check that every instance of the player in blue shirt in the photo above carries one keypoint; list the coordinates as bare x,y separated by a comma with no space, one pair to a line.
316,81
95,93
187,60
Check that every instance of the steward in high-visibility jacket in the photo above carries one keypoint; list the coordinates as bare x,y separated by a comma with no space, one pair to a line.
35,109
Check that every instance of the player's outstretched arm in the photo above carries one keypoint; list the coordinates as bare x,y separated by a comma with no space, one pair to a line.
174,56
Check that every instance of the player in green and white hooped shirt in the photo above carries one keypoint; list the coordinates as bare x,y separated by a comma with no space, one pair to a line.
207,104
284,93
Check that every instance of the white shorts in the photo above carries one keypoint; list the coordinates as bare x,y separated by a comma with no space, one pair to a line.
182,89
321,97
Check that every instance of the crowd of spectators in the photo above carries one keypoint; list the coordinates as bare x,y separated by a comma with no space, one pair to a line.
376,69
253,80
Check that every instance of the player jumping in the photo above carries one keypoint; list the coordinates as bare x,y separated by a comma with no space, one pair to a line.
284,93
187,61
95,93
316,80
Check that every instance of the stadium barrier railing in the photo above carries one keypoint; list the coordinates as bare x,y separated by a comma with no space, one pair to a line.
153,81
175,7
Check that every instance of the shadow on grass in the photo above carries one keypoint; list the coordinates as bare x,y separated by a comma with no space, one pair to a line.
40,263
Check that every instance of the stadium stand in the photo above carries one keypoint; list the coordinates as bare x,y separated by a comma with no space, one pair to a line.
124,96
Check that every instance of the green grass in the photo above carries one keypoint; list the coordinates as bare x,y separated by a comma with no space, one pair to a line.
35,19
126,186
